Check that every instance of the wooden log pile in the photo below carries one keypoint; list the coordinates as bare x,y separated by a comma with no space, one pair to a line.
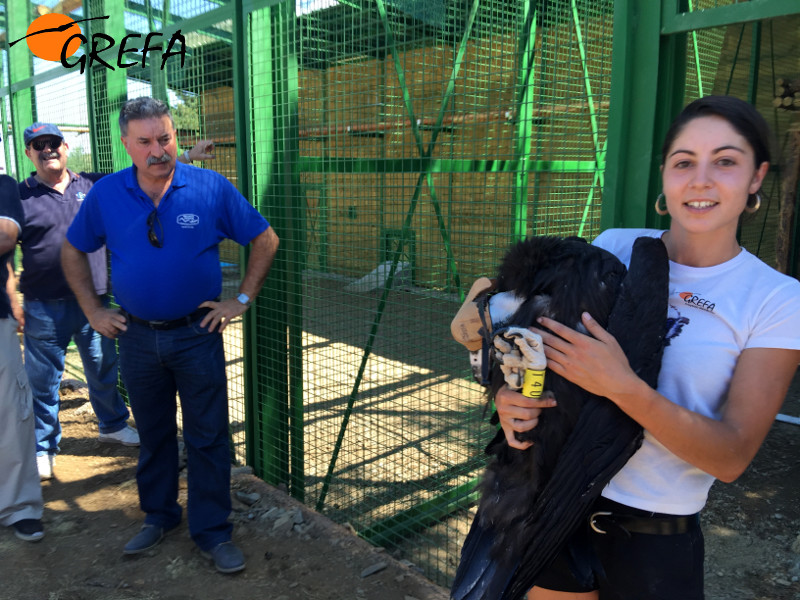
787,94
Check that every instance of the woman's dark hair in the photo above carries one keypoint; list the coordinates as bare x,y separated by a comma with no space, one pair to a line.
743,117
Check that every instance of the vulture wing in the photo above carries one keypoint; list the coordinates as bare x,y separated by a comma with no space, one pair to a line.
604,438
502,562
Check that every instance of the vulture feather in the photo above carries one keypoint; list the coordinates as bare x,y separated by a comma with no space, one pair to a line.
534,500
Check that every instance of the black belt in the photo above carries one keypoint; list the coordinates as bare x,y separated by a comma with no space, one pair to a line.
609,522
173,324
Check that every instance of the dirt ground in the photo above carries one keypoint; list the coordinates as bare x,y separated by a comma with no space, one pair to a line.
752,535
752,526
92,509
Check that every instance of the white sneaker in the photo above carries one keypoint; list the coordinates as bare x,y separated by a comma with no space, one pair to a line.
45,462
127,436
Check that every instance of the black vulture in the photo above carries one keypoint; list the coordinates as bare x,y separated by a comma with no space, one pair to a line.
534,500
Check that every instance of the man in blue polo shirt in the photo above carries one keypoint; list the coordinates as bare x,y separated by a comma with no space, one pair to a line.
51,197
162,223
20,492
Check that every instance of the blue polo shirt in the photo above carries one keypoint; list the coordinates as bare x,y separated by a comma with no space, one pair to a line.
198,211
48,214
10,209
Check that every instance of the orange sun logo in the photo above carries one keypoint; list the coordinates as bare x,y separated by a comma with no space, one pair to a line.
48,34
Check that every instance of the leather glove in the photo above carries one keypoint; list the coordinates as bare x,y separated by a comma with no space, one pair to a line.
518,350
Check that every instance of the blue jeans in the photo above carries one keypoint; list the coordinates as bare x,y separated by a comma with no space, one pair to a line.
189,361
49,327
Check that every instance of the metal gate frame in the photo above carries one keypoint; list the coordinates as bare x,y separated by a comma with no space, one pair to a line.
646,36
276,176
649,62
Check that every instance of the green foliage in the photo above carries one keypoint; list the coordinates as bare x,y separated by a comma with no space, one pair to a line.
79,160
186,112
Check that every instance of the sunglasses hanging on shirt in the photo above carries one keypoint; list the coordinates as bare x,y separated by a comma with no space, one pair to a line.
156,237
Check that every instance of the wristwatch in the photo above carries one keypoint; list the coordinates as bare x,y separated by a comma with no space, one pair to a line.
243,299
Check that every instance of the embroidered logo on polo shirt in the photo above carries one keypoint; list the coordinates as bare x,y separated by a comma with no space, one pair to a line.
692,299
188,220
80,196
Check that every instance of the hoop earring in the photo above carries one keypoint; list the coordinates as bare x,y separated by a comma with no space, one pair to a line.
661,211
752,209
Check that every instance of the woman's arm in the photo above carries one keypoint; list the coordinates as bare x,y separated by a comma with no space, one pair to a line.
721,448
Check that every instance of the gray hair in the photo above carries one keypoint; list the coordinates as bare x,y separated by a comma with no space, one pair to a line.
142,108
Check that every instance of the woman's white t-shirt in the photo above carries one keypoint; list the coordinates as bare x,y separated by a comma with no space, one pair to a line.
714,314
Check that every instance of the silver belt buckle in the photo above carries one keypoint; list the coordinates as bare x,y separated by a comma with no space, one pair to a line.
593,525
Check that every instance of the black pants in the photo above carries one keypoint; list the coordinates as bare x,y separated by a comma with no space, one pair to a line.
632,566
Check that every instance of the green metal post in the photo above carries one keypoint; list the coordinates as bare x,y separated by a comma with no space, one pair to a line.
696,50
241,103
278,435
598,152
755,62
670,95
158,78
4,125
524,128
382,116
6,145
323,210
94,132
644,66
107,90
676,17
752,98
294,238
23,109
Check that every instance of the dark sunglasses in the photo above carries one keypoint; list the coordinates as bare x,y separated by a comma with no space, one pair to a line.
40,144
156,239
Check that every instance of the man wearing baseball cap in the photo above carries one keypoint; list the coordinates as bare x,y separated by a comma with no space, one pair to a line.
51,197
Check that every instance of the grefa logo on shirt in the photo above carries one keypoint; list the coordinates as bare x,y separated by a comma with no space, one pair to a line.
188,220
693,299
80,196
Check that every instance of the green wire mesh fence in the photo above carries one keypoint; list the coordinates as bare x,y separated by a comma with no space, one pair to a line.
430,136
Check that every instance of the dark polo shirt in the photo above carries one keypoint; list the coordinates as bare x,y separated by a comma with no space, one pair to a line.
48,215
11,210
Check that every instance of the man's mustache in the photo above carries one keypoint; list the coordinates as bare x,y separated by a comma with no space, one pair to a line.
152,160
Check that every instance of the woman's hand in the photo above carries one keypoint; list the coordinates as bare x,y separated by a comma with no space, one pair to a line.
594,362
519,413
